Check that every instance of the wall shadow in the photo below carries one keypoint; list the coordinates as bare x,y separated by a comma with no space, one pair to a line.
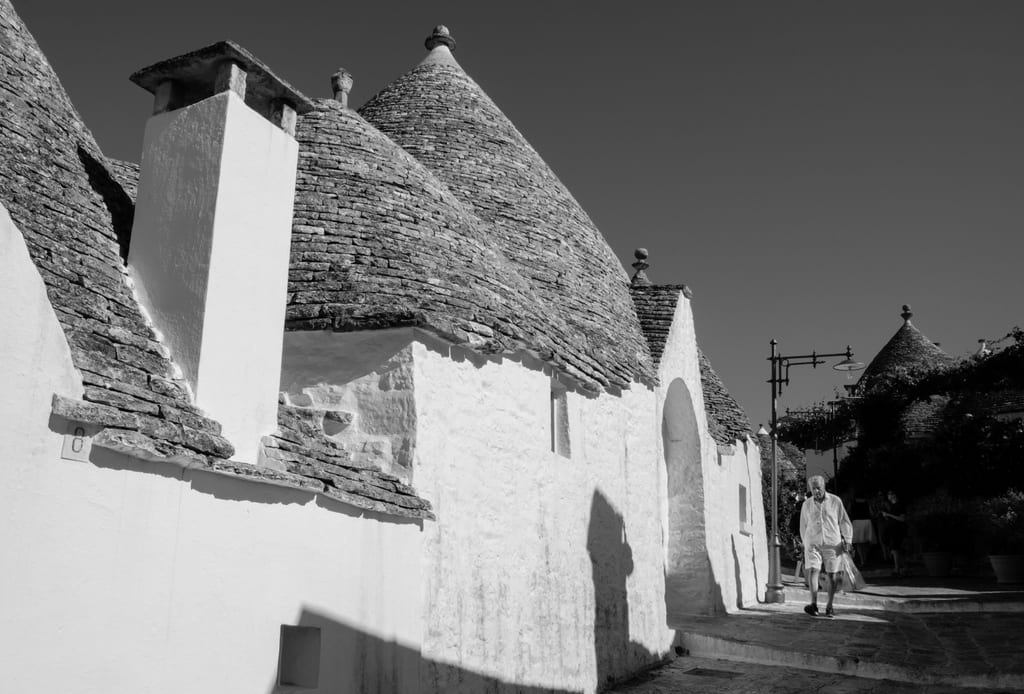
618,658
119,204
352,660
690,585
737,573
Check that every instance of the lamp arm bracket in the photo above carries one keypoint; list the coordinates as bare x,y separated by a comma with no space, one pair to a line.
812,355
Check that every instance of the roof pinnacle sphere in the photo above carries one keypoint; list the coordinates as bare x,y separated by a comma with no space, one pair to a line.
906,313
440,37
640,279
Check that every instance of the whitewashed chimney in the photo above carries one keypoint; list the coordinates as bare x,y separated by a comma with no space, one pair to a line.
210,241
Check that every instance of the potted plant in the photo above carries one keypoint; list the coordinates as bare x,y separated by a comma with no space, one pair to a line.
939,524
1003,526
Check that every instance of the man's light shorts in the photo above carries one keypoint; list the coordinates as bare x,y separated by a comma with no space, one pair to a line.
815,555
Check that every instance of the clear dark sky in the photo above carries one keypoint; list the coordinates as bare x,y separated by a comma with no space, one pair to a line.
806,167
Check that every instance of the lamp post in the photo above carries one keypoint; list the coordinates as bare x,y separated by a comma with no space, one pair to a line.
832,431
774,592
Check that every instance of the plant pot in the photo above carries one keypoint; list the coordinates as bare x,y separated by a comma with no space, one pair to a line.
1009,568
937,563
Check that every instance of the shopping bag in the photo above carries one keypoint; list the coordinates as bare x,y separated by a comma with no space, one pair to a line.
849,576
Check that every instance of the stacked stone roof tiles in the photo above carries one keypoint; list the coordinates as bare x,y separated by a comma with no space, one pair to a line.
74,208
908,351
303,450
378,241
656,307
444,119
922,418
76,218
732,422
126,174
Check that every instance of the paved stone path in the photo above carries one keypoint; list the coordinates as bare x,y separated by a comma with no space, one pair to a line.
898,636
967,649
708,676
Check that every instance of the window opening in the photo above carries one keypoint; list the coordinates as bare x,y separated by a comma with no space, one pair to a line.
560,421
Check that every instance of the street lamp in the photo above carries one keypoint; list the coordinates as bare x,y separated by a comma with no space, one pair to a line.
774,592
832,431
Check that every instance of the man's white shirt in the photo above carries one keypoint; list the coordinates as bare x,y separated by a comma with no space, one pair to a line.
826,523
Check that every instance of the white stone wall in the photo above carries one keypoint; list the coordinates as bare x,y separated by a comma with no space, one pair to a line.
366,377
747,546
118,576
541,570
737,557
135,578
35,360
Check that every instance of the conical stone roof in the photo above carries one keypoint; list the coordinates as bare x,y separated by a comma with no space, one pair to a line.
906,352
378,241
437,113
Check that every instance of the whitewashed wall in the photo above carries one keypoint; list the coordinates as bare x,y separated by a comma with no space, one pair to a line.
541,570
367,375
737,556
118,576
132,581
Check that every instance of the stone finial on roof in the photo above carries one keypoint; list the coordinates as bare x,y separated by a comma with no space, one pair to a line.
341,85
640,279
906,313
440,37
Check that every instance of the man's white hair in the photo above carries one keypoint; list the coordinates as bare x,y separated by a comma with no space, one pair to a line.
819,478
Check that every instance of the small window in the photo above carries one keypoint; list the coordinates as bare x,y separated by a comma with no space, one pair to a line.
560,421
300,657
744,517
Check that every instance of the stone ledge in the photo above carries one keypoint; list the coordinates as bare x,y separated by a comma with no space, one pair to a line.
137,445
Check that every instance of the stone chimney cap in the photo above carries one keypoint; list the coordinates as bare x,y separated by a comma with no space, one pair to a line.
195,75
440,37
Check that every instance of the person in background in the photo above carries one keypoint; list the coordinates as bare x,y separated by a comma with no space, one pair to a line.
895,521
863,531
794,531
826,532
878,504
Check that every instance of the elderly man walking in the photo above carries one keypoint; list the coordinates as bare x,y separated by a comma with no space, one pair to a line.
826,532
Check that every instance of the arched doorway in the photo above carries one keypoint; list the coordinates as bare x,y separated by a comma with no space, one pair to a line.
687,569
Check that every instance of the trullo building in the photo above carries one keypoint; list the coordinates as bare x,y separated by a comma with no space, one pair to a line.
321,400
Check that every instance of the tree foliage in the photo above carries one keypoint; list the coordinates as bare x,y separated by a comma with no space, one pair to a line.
970,452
